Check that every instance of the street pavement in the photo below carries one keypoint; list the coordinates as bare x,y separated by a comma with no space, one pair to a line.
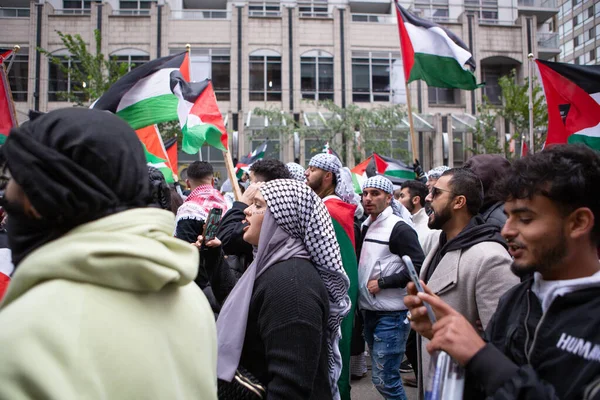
363,389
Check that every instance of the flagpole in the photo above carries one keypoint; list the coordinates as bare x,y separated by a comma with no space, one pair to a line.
410,121
11,102
531,144
12,58
188,49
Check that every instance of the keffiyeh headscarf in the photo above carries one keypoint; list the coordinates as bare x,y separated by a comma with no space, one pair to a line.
296,225
436,172
297,171
330,163
384,184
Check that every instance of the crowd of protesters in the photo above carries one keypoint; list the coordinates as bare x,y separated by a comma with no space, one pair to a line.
112,291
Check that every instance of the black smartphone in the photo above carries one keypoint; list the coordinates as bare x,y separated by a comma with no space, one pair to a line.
415,278
212,224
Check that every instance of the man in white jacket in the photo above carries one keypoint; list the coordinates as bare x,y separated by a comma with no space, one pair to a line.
382,280
412,195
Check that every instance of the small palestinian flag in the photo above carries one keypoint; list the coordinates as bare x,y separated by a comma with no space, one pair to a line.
396,170
250,159
328,150
160,91
156,154
7,108
573,99
434,54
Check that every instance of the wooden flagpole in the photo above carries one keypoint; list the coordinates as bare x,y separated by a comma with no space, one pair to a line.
413,138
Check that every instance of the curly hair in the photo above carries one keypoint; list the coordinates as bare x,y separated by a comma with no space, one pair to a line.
568,175
160,194
270,169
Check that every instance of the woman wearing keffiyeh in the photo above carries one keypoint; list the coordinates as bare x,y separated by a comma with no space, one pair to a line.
282,319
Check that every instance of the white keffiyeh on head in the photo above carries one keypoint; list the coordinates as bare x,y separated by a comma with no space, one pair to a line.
328,162
384,184
297,171
296,224
436,172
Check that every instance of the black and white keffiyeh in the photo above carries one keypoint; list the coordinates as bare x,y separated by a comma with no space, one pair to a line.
328,162
296,224
297,171
384,184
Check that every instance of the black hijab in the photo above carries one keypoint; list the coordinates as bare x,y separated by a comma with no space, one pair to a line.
75,165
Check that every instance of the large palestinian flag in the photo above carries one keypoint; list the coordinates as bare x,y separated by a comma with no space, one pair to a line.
160,91
342,217
573,99
433,53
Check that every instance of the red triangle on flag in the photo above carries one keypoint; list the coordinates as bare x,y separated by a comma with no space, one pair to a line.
380,163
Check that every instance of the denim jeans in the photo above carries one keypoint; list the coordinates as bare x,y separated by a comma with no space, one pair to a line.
385,334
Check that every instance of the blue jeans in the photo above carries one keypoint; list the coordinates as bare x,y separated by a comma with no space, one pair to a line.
386,333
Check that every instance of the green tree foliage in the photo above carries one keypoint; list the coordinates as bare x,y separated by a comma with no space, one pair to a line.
91,74
485,136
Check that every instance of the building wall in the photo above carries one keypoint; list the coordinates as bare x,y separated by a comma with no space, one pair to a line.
588,19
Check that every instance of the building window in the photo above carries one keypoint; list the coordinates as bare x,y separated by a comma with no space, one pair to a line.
265,76
576,2
61,85
316,80
77,4
394,144
487,10
438,96
568,25
568,47
597,9
213,64
135,7
371,76
590,13
314,9
576,20
576,41
458,149
132,57
264,9
590,56
436,11
18,74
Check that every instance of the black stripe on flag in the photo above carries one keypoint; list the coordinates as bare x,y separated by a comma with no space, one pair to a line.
190,90
414,20
112,97
586,77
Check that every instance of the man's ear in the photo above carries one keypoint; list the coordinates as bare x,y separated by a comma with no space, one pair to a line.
580,223
460,202
416,200
187,183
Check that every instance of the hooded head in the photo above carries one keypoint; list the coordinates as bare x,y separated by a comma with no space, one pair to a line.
66,168
490,168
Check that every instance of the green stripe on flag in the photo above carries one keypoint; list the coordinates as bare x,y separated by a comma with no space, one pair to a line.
160,164
400,173
442,72
151,111
2,139
590,141
197,135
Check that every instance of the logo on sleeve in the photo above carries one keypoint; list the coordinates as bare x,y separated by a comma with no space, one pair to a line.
579,347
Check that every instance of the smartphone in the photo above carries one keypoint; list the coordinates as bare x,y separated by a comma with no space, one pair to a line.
212,224
415,278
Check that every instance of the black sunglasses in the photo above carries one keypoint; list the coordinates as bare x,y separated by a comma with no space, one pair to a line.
436,191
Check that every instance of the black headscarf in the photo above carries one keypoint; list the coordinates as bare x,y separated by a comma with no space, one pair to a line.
75,165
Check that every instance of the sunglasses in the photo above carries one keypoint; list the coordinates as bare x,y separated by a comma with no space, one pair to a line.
436,191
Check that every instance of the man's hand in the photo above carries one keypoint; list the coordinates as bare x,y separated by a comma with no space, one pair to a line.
419,319
373,287
211,243
250,192
452,333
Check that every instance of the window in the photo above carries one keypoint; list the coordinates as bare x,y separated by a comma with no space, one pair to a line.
491,76
458,148
394,144
487,10
316,80
576,2
439,96
597,9
371,76
590,56
576,20
84,5
577,41
314,9
597,53
135,7
18,74
264,9
590,12
589,34
566,8
436,11
568,47
265,76
213,64
568,26
132,57
61,85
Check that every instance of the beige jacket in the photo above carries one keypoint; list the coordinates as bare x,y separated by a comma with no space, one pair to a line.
471,281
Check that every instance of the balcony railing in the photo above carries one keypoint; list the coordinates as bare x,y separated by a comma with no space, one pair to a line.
547,40
200,14
14,12
72,11
538,3
374,18
131,12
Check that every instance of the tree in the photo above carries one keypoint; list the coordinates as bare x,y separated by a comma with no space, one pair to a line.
90,74
485,136
515,108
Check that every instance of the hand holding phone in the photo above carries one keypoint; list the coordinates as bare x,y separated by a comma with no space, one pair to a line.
211,226
415,278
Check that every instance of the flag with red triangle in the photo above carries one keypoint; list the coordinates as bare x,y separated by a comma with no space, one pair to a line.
7,107
573,99
156,154
524,148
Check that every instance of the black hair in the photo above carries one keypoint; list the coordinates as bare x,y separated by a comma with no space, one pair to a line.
416,188
160,193
464,182
568,175
199,170
270,169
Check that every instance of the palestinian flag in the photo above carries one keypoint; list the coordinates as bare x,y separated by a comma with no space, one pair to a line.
573,99
5,55
434,54
7,108
396,170
156,154
160,91
342,217
244,164
328,150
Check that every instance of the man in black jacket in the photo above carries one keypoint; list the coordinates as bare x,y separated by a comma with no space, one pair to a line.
543,341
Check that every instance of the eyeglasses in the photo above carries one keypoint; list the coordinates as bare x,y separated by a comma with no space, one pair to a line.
436,191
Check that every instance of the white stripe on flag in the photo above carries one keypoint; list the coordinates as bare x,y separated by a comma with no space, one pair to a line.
157,84
435,41
593,131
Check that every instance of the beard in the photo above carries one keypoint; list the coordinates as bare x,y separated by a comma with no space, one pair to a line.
439,217
410,207
316,184
545,259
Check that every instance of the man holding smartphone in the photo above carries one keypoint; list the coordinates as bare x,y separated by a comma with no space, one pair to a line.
382,280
